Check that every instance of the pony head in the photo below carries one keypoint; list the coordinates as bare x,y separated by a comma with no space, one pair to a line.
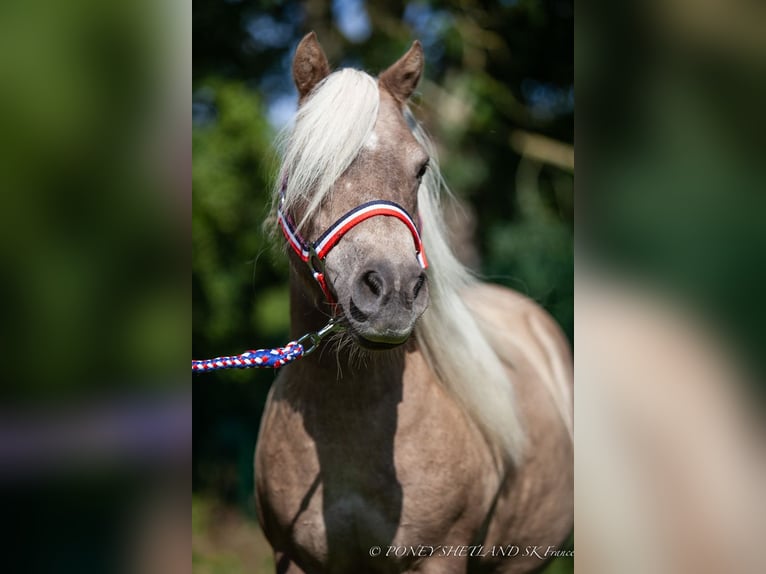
352,144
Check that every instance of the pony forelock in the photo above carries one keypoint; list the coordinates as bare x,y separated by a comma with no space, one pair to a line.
330,129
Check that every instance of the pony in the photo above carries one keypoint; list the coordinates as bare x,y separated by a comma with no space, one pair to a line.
433,431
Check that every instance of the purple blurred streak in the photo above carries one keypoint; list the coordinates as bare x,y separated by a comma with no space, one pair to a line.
135,431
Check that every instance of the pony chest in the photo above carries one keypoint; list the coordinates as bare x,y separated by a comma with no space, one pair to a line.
417,479
350,512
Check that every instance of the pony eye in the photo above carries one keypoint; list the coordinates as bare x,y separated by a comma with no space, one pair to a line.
422,170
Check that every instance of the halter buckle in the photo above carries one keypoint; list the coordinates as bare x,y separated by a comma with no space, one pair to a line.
317,337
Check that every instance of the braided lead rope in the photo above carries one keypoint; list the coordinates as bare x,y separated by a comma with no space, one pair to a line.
266,358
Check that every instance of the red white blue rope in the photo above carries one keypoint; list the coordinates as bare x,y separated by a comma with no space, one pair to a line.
263,358
268,358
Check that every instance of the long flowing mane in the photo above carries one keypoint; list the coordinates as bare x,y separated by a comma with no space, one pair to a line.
329,131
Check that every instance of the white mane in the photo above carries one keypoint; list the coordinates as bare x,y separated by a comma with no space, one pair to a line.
330,129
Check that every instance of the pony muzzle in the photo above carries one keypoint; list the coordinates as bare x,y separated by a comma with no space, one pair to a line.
384,302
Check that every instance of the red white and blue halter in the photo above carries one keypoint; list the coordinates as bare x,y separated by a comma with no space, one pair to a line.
314,254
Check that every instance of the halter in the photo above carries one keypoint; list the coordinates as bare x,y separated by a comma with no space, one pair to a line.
314,254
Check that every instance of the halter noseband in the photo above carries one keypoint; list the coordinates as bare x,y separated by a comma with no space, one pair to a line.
314,254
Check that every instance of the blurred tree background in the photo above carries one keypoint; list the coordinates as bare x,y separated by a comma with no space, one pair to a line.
498,99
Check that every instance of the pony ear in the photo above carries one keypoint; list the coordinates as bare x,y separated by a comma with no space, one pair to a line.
403,76
310,65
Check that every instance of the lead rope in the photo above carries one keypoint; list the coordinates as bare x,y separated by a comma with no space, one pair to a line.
268,358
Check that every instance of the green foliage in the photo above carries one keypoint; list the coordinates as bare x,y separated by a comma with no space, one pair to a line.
232,189
89,229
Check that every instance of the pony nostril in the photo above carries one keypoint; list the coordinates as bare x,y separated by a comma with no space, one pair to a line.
373,282
371,290
418,285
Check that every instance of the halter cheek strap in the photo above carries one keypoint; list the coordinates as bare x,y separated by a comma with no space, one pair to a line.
314,254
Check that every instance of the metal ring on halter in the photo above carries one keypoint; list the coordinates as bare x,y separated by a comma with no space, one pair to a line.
315,263
317,337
